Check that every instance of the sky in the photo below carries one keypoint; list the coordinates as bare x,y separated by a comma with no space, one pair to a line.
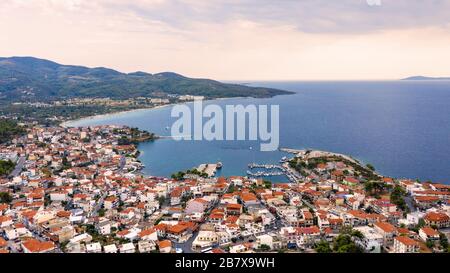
236,39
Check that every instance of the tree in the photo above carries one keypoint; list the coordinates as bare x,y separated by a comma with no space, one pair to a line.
357,234
6,167
430,244
443,241
267,184
161,200
101,212
9,129
397,197
370,167
344,244
264,247
5,197
323,247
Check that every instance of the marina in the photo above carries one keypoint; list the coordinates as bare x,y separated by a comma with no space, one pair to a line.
269,170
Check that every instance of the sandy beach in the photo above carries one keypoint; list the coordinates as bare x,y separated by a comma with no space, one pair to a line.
68,123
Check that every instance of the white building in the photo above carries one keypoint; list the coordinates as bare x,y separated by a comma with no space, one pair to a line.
110,248
127,248
264,239
371,241
404,244
94,248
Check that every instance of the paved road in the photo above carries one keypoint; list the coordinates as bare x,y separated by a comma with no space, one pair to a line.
98,205
187,246
122,163
19,166
410,202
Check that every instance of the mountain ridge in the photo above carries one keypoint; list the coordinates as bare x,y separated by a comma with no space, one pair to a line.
34,79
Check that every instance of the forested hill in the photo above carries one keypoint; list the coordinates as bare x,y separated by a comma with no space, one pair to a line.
32,79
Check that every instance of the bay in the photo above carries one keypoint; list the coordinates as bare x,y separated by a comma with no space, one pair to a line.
400,127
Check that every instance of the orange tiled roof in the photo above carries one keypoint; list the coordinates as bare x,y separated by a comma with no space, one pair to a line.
406,241
164,244
386,227
34,245
437,217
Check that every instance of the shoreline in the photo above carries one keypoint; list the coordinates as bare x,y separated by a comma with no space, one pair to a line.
66,124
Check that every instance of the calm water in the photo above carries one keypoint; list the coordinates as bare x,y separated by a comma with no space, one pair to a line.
402,128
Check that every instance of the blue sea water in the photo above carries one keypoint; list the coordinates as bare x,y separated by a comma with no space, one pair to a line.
400,127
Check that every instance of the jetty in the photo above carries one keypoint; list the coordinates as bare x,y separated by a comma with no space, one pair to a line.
210,169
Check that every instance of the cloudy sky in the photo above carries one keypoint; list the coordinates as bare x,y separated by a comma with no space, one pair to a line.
236,39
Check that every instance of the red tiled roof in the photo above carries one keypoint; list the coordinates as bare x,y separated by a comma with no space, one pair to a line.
406,241
429,231
164,244
386,227
437,217
34,245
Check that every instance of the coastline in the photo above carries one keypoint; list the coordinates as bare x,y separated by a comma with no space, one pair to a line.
67,123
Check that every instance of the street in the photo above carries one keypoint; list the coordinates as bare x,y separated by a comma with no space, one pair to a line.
19,166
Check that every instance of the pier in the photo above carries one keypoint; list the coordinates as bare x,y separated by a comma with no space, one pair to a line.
209,169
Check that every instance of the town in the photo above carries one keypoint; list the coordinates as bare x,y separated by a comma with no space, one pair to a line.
80,190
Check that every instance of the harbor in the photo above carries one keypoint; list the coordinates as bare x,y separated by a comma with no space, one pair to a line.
269,170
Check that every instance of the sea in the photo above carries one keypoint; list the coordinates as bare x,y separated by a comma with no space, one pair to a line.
402,128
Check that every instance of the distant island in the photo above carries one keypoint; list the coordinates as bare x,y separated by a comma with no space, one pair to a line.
423,78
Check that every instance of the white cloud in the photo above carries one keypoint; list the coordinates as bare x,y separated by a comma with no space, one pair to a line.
231,39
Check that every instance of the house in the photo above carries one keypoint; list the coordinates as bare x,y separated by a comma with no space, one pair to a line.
438,219
371,241
249,199
387,230
264,239
428,234
175,197
3,208
36,246
233,209
146,246
350,181
300,236
127,214
59,196
196,205
242,248
94,248
178,232
104,227
5,221
425,202
383,206
307,236
127,248
112,248
3,243
414,217
205,238
165,246
110,202
404,244
82,238
150,234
